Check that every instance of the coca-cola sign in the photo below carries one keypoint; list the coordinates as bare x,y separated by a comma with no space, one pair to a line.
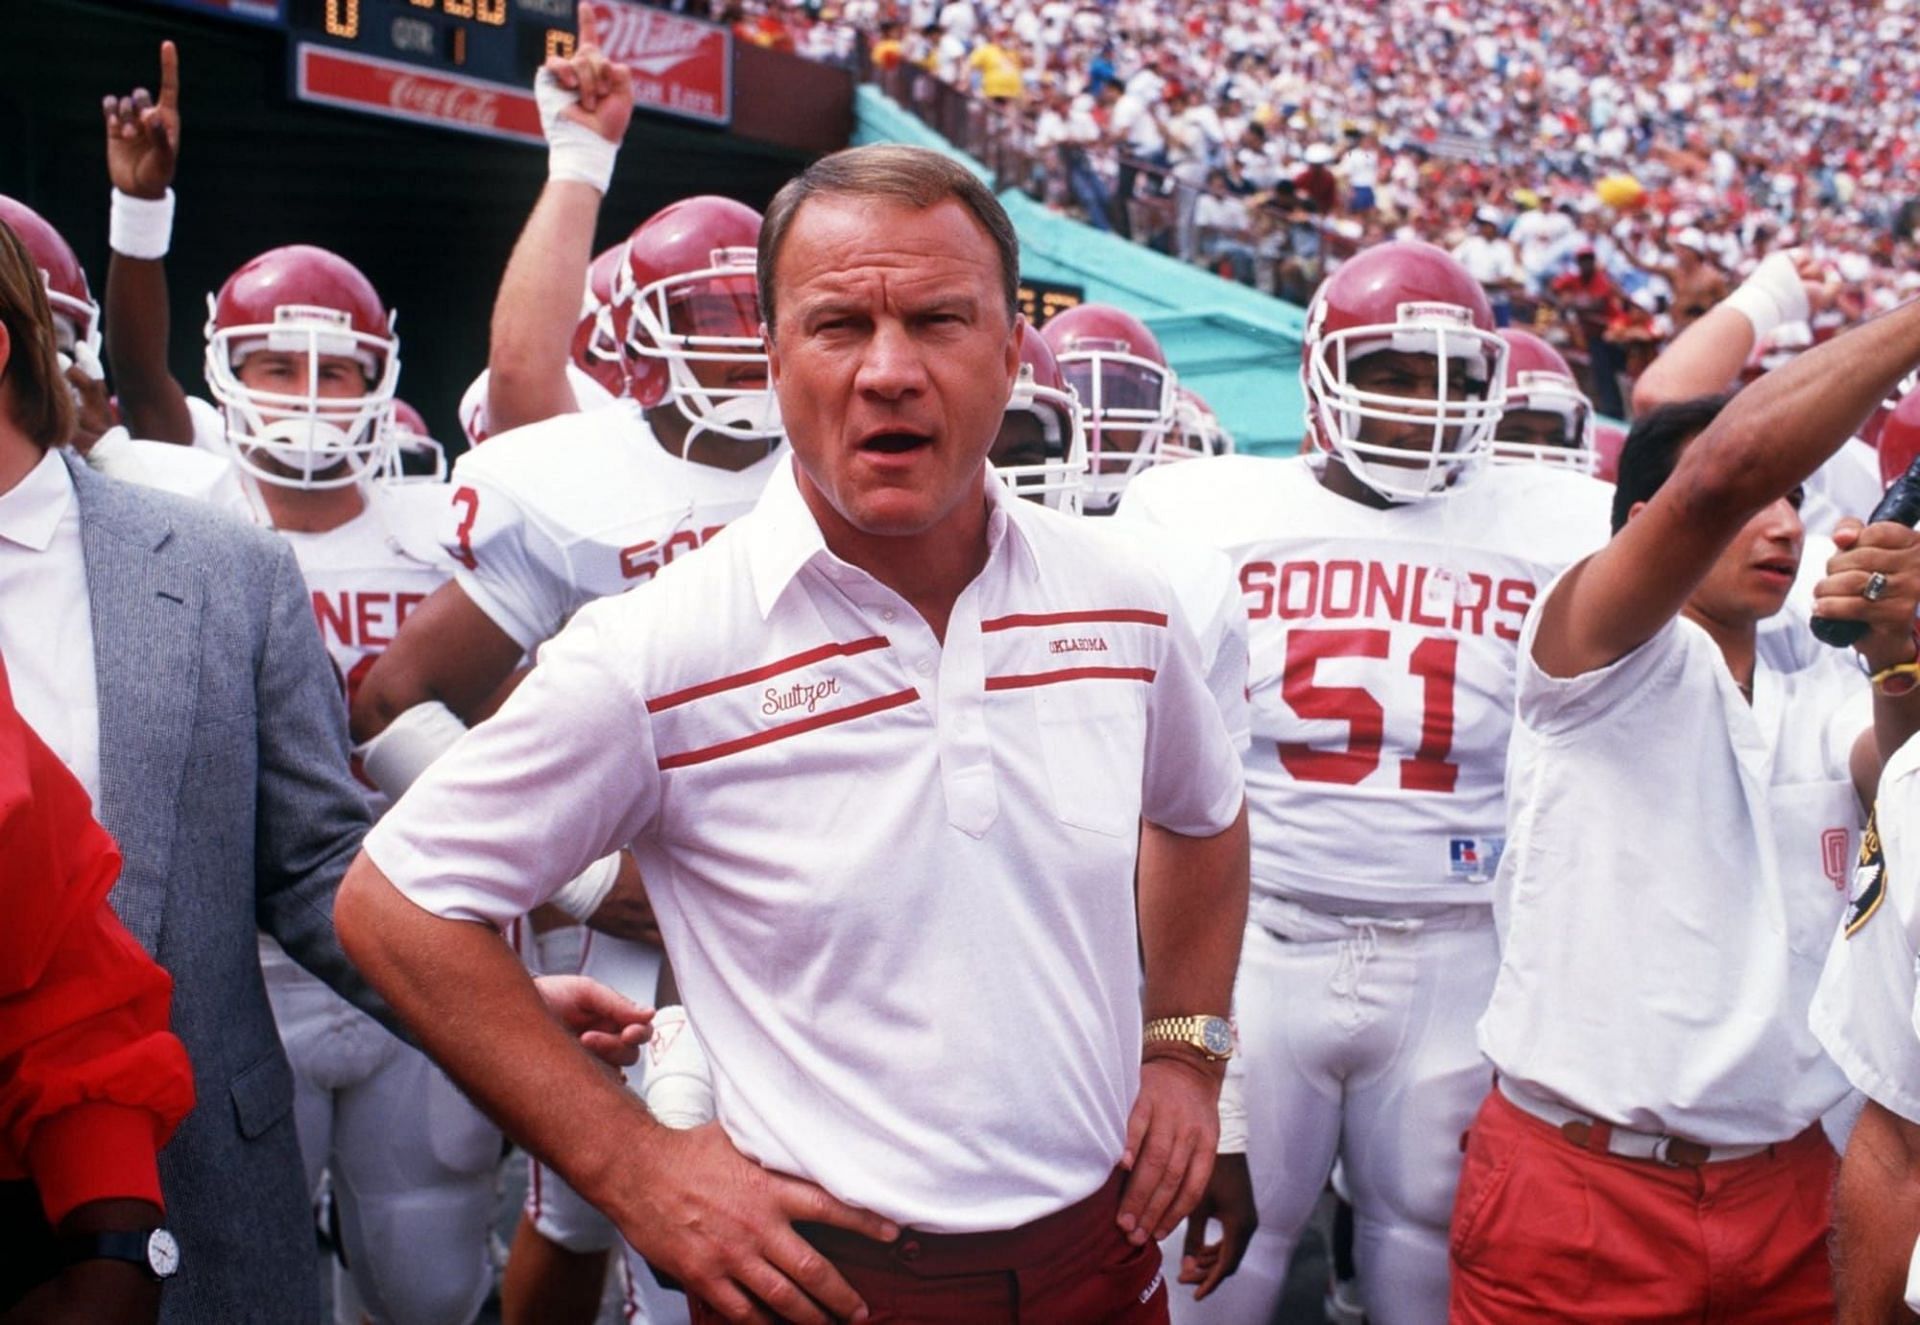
680,65
407,92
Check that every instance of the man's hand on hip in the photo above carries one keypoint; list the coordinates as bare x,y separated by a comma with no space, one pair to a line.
723,1226
1171,1137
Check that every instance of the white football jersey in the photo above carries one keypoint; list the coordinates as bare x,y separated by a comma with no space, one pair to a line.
367,575
1847,484
1381,651
545,519
185,471
587,395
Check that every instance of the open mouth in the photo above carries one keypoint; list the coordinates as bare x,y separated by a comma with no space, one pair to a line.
895,443
1780,567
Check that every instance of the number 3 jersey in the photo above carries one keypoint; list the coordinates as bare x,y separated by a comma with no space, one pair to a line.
544,519
1382,646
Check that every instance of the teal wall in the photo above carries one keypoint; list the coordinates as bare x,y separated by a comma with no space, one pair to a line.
1238,348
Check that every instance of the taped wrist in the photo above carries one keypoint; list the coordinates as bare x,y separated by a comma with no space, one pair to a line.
140,227
679,1085
397,757
574,151
581,895
1233,1117
1771,297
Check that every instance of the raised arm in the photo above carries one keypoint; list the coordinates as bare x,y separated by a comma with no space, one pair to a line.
585,102
1707,357
143,147
1760,447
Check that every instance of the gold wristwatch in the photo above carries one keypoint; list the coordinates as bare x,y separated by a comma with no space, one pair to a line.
1212,1036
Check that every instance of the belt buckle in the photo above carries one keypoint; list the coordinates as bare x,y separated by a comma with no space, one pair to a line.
1663,1152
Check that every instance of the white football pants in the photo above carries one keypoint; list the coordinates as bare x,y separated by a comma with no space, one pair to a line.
1359,1044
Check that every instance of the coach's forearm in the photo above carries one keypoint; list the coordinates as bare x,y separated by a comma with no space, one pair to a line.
476,1012
1876,1218
1193,912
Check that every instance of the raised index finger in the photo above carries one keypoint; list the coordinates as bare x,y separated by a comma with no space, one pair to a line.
169,76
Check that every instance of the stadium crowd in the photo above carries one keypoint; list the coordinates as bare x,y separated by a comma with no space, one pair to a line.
1029,839
1682,143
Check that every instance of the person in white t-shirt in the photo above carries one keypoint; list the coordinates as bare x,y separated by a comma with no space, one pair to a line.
1681,816
1864,1015
883,748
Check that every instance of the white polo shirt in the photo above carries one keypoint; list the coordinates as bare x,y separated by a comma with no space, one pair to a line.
1864,1010
895,878
46,622
1676,863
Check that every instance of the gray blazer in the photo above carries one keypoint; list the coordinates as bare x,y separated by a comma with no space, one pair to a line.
224,779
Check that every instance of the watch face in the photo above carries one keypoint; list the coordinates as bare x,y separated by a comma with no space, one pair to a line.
1218,1036
163,1253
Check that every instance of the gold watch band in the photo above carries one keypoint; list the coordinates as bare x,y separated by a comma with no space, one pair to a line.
1211,1035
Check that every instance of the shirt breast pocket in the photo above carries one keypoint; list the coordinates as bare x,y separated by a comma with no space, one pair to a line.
1093,736
1816,829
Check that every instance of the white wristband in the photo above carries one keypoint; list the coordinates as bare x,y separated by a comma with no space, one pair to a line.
1233,1117
411,742
581,895
140,227
574,151
679,1084
1773,295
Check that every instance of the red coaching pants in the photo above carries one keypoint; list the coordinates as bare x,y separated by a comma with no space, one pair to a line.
1071,1268
1546,1230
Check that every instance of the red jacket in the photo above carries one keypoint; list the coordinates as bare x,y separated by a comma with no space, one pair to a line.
92,1083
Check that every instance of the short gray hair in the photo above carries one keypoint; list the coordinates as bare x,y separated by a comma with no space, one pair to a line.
916,176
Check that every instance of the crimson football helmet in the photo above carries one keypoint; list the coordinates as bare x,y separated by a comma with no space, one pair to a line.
1899,443
1197,430
1413,298
1539,382
602,330
75,314
1608,441
1125,388
412,455
1041,393
310,303
690,296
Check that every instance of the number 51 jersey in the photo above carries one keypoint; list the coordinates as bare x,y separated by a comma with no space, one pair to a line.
1382,646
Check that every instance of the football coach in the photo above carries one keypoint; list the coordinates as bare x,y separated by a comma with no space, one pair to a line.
902,908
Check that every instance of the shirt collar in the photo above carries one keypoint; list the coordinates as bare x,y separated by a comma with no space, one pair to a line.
784,537
30,513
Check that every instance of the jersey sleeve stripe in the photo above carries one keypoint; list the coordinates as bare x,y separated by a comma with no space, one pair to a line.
1028,679
865,708
1021,620
761,673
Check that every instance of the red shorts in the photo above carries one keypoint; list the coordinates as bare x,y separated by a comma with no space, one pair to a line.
1544,1229
1074,1267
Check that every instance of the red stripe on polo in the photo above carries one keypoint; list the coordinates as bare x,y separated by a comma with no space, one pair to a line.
1027,679
781,733
1133,615
761,673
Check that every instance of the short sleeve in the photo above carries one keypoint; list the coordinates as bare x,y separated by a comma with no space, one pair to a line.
1554,705
1863,1010
497,550
1193,783
563,774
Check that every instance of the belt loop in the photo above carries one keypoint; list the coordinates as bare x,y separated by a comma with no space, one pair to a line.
1599,1136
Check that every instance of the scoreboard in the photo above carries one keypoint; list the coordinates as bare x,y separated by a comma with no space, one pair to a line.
469,64
498,41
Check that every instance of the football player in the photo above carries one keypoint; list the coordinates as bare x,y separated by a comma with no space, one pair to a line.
302,358
1548,419
1197,432
1385,575
1126,390
76,320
